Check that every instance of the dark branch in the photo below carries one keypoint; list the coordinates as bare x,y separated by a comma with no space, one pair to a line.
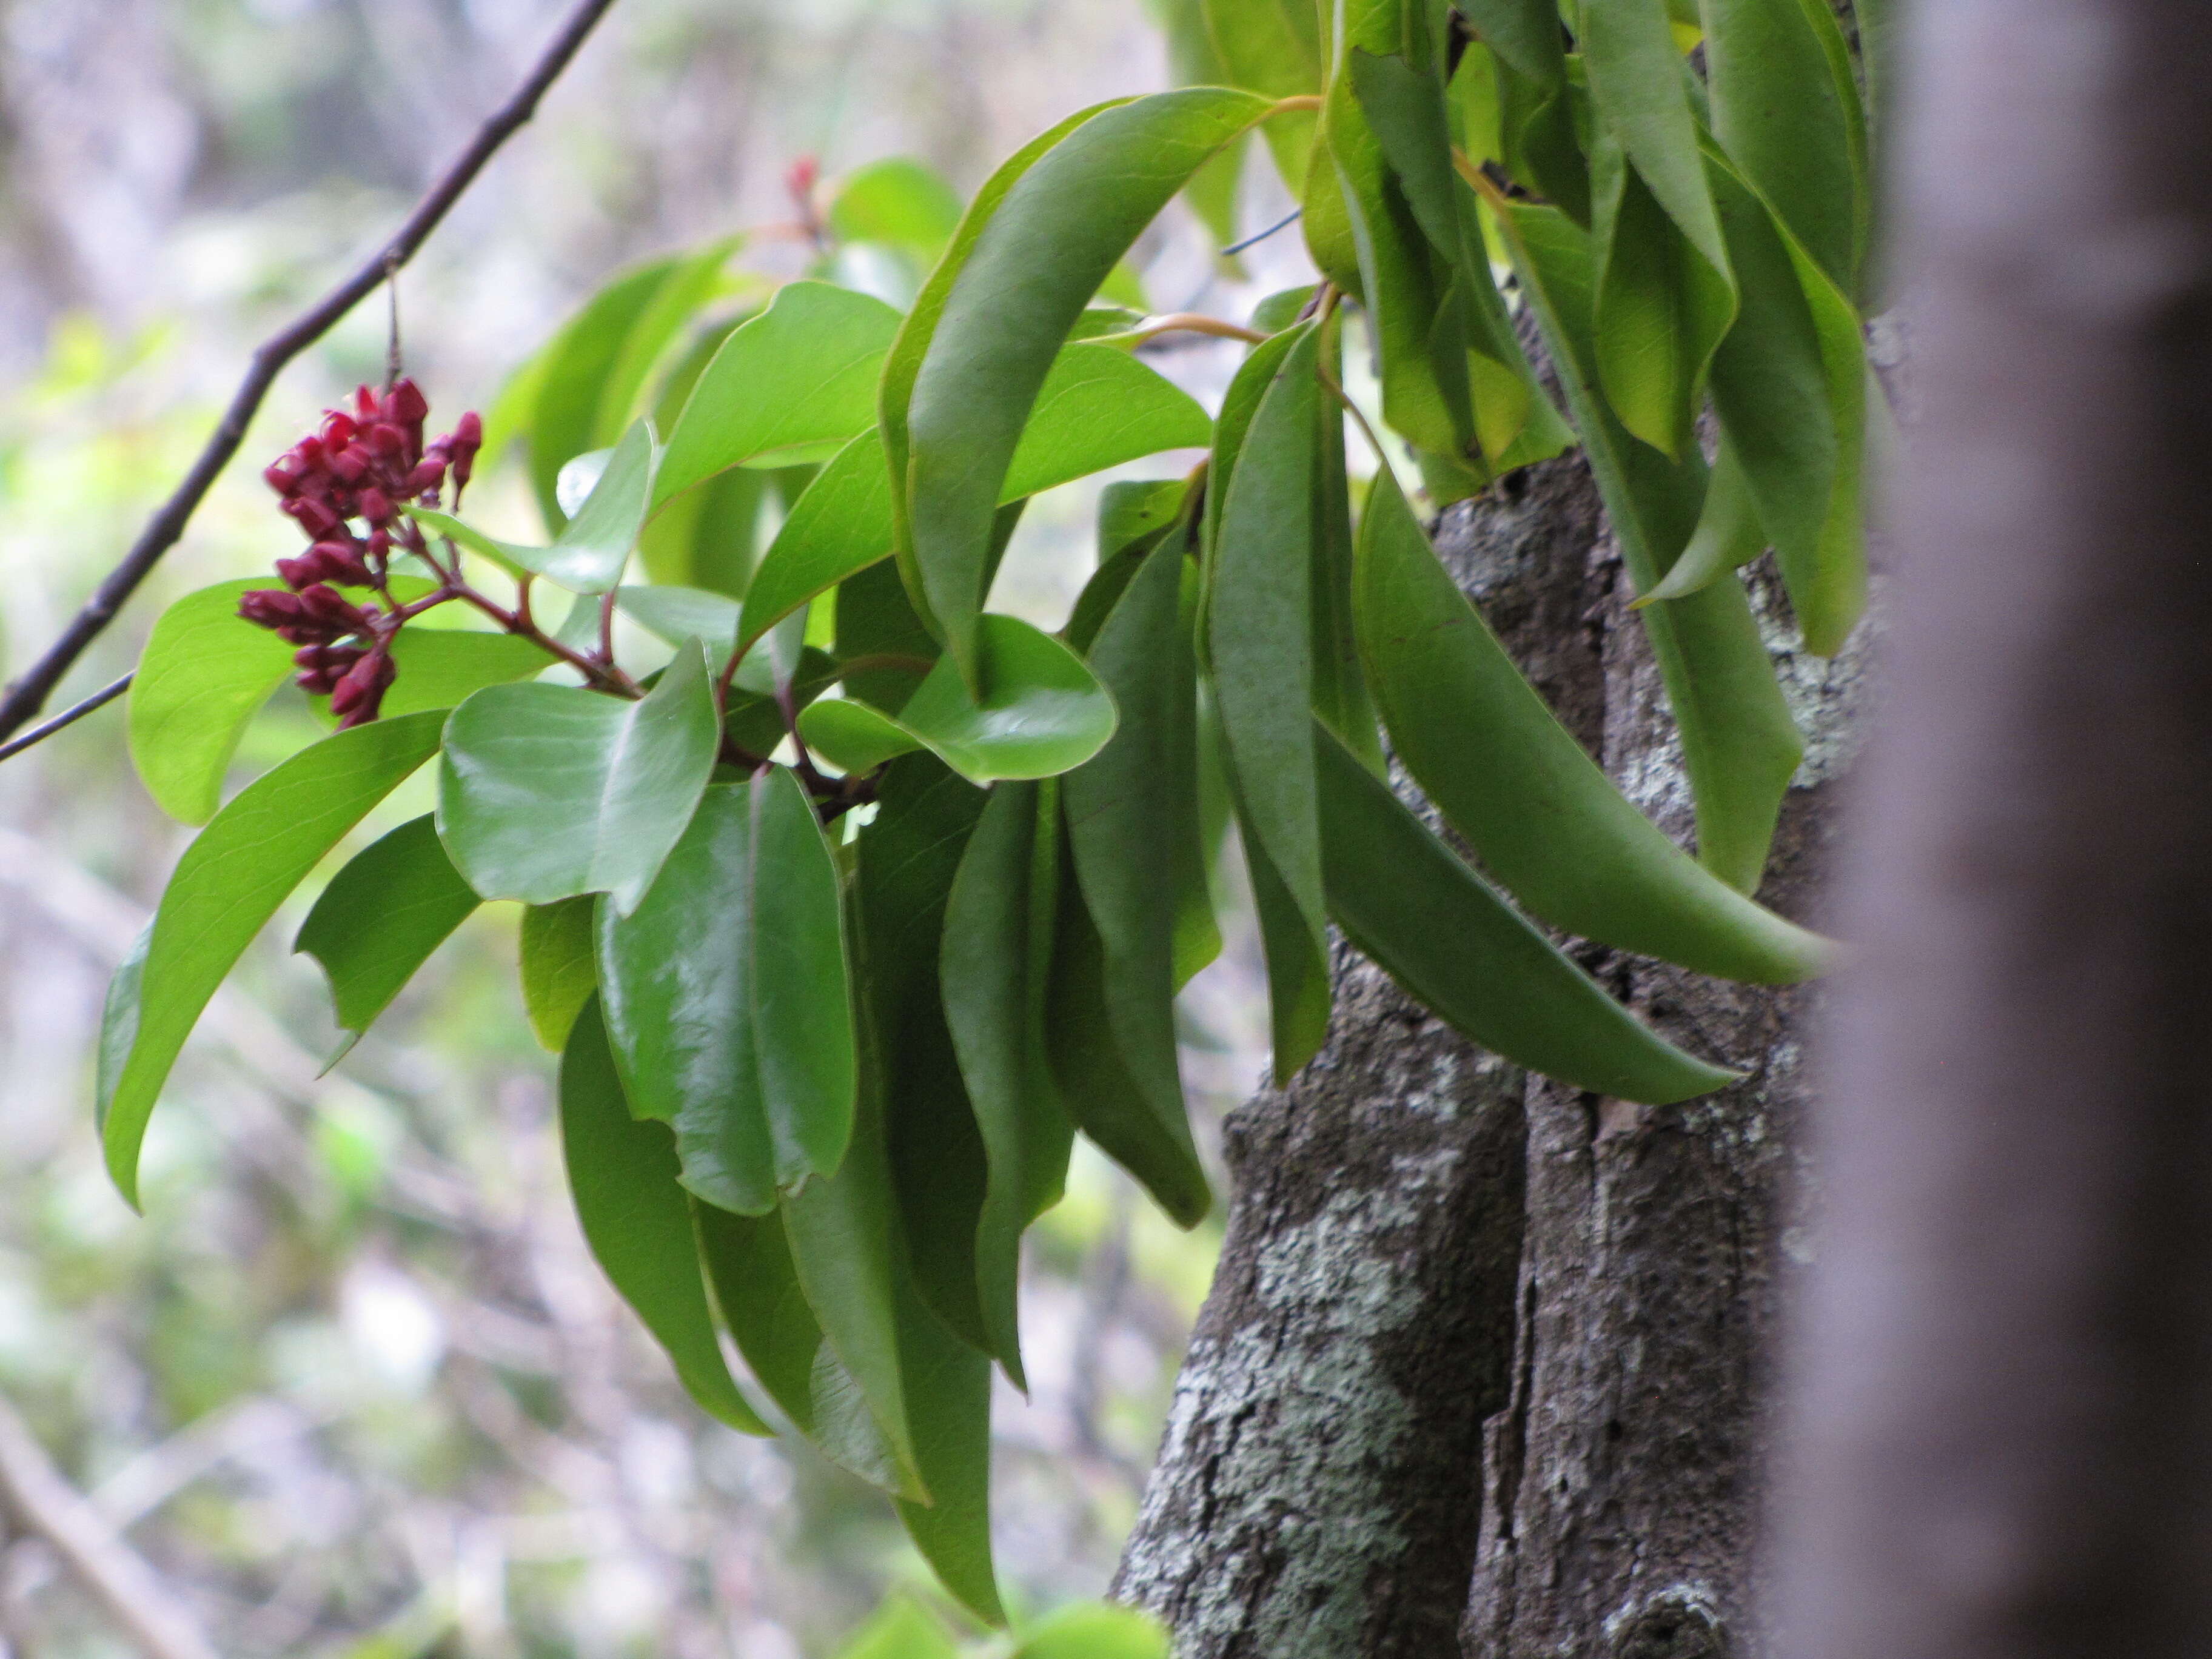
28,694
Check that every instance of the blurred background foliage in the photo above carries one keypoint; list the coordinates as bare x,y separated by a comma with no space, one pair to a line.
354,1386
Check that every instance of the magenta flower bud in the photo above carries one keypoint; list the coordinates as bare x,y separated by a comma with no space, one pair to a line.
386,440
366,404
329,609
303,572
375,506
350,464
338,431
428,475
341,562
379,543
357,696
322,667
311,453
267,607
405,402
283,474
317,517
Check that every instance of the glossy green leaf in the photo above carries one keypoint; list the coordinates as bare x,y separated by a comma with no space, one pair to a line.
442,667
901,1629
580,394
1729,534
229,882
674,614
997,954
897,201
548,791
1097,409
204,674
1095,1630
1043,714
1525,34
1411,904
908,858
949,1392
1032,268
592,549
1259,627
638,1222
1738,745
1274,47
793,384
382,917
756,1290
560,967
1537,810
1639,87
1137,797
727,998
1785,110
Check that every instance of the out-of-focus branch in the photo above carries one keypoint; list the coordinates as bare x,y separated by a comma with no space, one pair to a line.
28,694
113,1572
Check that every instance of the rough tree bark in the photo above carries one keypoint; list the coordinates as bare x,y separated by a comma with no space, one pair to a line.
1472,1329
2003,1389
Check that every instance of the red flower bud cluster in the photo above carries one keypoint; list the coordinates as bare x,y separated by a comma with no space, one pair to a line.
362,466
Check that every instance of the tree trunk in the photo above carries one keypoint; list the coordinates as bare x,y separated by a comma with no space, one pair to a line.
1473,1328
2003,1389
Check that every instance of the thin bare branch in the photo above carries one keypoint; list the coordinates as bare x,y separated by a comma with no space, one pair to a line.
28,694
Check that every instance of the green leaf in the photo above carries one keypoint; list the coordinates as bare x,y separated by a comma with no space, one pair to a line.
442,667
1739,746
1095,1630
727,998
793,385
548,791
755,1290
1729,534
908,857
1408,902
204,674
1639,87
1534,806
229,882
638,1222
580,393
1138,794
1098,408
899,202
592,549
381,916
949,1395
1212,191
1274,47
1785,110
674,614
901,1629
997,954
1043,714
1032,268
1259,627
1525,34
560,969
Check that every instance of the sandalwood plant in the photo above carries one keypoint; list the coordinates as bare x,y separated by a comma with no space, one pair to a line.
850,902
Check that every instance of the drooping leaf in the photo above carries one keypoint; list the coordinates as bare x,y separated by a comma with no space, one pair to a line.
559,967
1095,1630
794,383
442,667
901,1629
382,917
1260,631
1524,33
1640,89
1408,900
588,556
1139,794
755,1290
1729,534
1213,190
203,675
622,1171
229,882
548,791
1274,47
1540,813
1097,409
727,999
1031,270
1044,713
997,954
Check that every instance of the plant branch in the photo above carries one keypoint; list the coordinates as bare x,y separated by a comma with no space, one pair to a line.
28,694
114,1574
69,716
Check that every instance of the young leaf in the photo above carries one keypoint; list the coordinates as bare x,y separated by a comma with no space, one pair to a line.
996,955
1537,809
381,916
1098,408
793,385
548,791
1095,1630
593,546
559,967
1139,791
442,667
205,673
1261,630
1032,268
1044,711
229,882
1408,902
638,1222
901,1629
727,1001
